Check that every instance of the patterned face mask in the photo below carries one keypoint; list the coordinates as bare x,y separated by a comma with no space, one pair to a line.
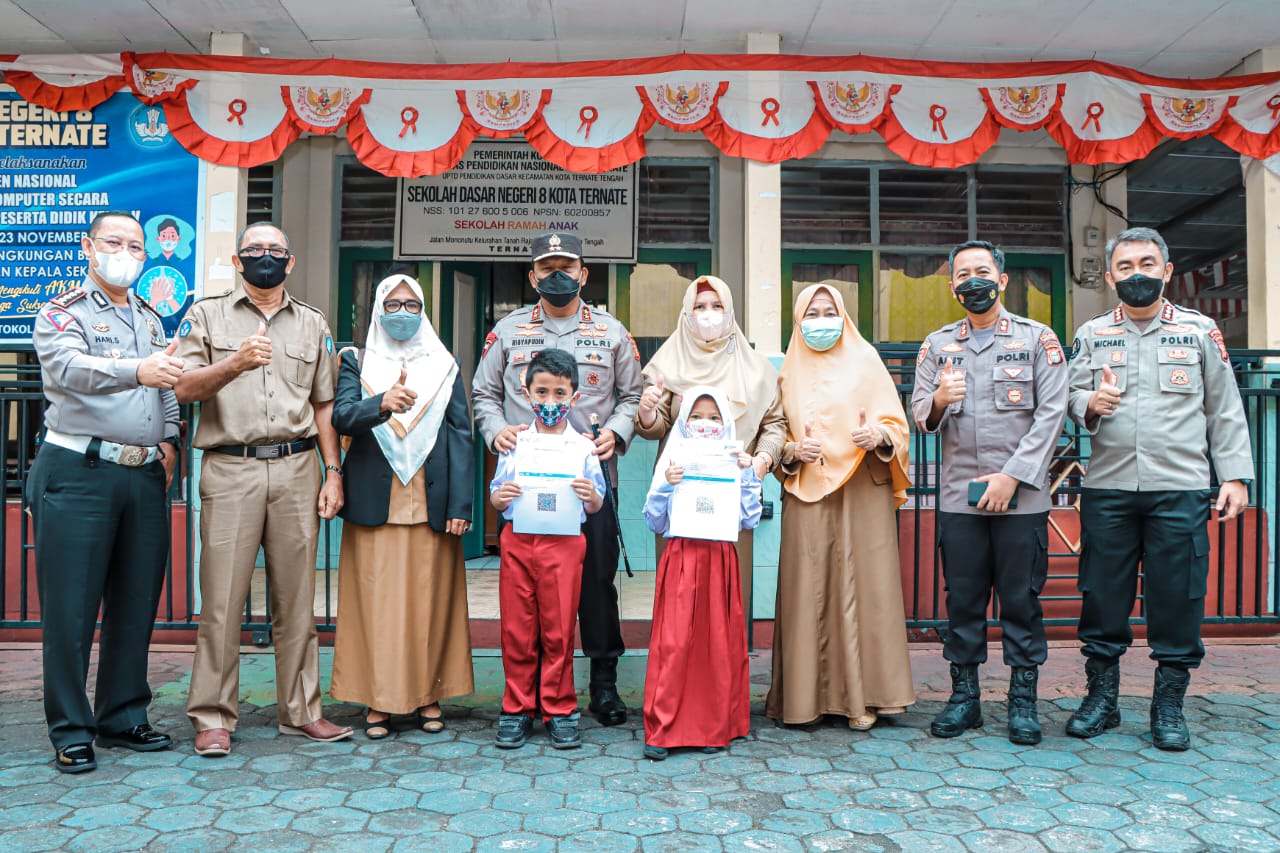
550,414
702,428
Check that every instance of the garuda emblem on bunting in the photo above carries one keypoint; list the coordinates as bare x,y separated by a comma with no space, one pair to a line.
1189,114
323,107
682,103
499,109
153,84
853,102
1023,105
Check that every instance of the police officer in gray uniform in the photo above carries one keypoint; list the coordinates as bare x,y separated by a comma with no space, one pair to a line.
610,383
96,493
1152,384
995,385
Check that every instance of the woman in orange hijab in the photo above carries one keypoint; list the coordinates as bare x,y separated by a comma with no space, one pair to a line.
840,638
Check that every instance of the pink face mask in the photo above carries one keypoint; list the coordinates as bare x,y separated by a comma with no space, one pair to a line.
700,428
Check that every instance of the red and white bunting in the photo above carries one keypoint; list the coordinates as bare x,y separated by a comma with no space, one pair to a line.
593,116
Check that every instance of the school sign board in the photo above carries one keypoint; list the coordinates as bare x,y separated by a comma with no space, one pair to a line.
502,194
59,169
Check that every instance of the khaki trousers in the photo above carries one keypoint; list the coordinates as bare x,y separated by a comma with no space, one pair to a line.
246,503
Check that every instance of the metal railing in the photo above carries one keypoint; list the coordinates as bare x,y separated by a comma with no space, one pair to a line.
1242,587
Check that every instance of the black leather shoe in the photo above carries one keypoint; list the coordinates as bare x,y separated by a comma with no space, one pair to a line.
964,708
141,738
1100,709
1168,726
1024,723
77,758
606,704
513,730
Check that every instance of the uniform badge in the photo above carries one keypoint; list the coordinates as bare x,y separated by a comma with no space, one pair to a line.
100,327
593,378
594,356
1117,356
535,316
529,328
518,356
586,313
100,300
1015,345
59,318
1176,328
1002,327
1180,377
923,354
184,329
1117,316
1052,349
963,331
1013,372
1166,313
328,345
1054,356
953,347
1075,349
1014,395
66,300
1216,335
635,349
489,340
113,353
1108,332
1178,354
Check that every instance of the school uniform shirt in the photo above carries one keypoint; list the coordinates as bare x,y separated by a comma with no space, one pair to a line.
1012,414
590,469
1179,402
657,504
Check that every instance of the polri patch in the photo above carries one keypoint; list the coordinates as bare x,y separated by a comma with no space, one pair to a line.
1216,335
923,354
489,340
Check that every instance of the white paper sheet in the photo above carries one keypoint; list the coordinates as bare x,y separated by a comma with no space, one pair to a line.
707,503
546,466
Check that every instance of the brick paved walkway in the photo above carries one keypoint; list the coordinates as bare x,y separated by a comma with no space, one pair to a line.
820,788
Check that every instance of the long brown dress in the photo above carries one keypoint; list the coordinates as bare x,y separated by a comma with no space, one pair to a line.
402,588
840,638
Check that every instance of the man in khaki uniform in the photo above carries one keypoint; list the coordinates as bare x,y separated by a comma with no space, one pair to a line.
262,363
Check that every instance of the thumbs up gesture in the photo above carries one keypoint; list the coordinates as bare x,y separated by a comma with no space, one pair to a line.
161,369
1107,397
649,400
865,436
809,448
951,387
255,350
398,399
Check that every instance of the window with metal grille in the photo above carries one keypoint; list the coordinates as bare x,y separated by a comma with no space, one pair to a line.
1021,208
368,206
825,204
261,201
675,203
924,207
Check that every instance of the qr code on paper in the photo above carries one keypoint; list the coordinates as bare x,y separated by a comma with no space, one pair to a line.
704,506
546,502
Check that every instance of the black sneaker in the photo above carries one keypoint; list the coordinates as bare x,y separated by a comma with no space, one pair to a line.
564,732
513,730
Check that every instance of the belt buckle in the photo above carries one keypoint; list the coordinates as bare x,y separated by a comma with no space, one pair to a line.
132,456
269,452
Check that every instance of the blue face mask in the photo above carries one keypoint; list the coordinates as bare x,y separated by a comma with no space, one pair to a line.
550,414
401,325
821,333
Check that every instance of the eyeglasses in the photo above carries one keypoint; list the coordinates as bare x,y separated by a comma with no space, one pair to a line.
413,306
259,251
112,245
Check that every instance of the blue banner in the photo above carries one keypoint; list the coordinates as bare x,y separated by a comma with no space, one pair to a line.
57,170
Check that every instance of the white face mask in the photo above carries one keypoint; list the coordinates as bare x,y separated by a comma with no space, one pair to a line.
710,325
118,270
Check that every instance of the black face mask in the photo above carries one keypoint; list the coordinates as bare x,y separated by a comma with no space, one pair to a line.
977,295
1139,290
559,288
265,272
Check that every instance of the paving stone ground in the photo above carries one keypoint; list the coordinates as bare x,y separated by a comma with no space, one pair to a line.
817,788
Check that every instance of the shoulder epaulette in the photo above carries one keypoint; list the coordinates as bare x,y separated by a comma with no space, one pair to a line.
309,307
68,298
147,306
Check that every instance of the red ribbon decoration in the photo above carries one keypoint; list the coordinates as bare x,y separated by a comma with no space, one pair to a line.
235,109
938,112
1092,114
588,116
409,117
1274,104
770,107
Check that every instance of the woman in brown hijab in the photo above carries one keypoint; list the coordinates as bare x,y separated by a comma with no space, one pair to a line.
708,347
840,639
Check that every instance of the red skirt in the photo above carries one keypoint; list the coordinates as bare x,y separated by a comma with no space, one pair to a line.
697,685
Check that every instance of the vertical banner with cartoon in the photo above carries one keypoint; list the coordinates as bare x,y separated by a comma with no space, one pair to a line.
59,169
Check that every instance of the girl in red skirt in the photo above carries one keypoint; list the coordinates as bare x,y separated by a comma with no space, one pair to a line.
697,687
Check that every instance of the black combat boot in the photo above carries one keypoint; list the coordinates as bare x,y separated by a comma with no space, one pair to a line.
606,704
1099,710
1024,723
1168,728
964,708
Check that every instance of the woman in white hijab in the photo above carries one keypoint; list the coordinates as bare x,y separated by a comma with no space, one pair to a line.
403,641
